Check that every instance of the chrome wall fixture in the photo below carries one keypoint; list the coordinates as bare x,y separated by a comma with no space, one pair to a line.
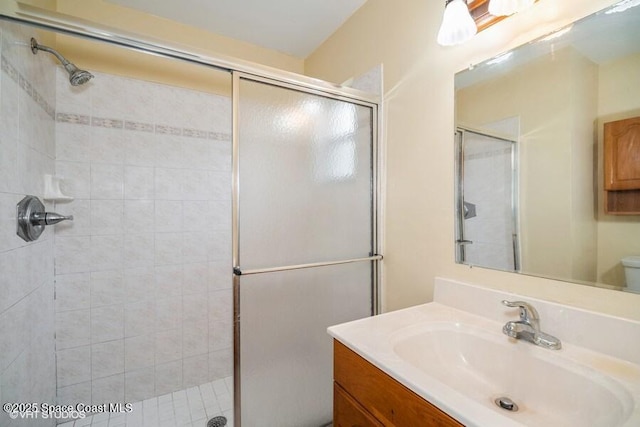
458,26
77,76
32,218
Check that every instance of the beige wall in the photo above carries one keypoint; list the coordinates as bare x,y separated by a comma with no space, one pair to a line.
47,4
557,224
418,128
619,98
163,29
584,236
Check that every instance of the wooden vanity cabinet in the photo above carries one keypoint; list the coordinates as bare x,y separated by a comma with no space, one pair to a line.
364,396
622,166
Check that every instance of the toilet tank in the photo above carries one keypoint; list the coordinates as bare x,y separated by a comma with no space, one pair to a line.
632,272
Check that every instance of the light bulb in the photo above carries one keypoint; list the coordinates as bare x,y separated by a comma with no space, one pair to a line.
457,24
508,7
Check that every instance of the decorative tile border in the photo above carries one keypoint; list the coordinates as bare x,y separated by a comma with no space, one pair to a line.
81,119
76,119
106,123
220,136
10,70
139,126
26,86
195,133
168,130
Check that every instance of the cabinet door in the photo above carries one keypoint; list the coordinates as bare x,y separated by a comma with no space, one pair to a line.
388,401
349,413
622,154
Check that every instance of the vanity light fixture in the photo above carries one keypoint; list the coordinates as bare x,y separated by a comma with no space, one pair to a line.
457,24
464,18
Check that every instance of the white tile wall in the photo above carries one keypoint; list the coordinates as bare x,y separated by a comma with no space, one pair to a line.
27,146
143,279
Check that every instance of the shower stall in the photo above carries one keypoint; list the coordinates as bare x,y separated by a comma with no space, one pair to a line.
220,224
487,204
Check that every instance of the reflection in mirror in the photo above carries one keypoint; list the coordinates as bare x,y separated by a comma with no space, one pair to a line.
529,193
488,181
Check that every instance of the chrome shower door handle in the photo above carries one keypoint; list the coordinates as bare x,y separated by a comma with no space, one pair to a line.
32,218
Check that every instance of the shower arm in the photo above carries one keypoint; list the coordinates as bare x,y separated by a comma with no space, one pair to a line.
35,47
77,76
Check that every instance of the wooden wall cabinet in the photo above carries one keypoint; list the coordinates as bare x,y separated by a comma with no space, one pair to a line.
622,166
364,396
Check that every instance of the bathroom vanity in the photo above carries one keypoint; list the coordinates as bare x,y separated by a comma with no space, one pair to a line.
449,363
365,396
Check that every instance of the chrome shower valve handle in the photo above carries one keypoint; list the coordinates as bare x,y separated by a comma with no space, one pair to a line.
32,218
49,218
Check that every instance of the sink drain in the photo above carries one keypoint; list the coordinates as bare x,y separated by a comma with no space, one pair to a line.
506,404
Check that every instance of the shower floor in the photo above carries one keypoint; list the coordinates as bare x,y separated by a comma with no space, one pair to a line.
192,407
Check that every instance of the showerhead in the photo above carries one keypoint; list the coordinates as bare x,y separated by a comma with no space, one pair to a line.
77,76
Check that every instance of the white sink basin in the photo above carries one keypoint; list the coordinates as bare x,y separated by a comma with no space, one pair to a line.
548,389
461,361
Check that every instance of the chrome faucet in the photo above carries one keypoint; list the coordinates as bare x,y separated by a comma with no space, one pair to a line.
528,327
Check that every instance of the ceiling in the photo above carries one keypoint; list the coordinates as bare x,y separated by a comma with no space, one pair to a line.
294,27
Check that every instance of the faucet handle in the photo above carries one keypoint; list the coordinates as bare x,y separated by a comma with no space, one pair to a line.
527,311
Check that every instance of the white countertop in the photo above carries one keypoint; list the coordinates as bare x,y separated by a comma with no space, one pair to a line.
375,339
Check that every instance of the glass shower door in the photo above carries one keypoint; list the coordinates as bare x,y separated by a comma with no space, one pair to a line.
304,242
487,217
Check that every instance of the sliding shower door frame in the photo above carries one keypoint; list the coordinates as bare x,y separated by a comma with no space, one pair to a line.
238,272
461,240
71,25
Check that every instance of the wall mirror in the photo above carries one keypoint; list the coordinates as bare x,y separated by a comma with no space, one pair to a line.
530,194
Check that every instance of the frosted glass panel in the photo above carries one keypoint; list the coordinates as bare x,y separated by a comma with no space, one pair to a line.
488,196
305,177
286,353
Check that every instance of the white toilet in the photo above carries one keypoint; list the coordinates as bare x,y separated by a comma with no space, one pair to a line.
632,272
